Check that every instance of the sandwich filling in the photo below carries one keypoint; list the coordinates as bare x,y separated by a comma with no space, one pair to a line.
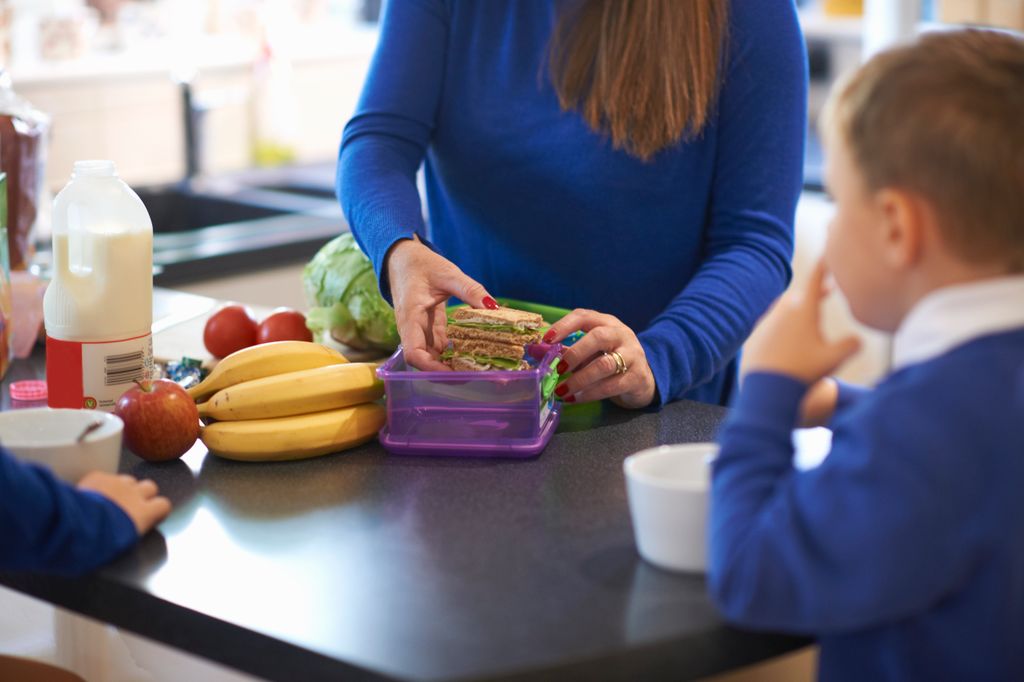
490,339
465,361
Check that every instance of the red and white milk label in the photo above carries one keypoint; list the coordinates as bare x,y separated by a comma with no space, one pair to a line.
94,375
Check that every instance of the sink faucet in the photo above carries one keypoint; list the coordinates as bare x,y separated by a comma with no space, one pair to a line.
194,113
194,109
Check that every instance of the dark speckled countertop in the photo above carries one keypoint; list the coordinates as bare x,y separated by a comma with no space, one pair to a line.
362,565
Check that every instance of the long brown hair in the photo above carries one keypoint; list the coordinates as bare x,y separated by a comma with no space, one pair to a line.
645,72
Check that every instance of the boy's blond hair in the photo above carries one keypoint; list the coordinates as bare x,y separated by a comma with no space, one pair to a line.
944,118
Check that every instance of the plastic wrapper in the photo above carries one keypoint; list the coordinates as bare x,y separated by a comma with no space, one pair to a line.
187,372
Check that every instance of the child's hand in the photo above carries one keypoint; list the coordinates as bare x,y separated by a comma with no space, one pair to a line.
138,499
789,339
819,404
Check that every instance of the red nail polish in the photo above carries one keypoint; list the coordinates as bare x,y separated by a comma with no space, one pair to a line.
490,303
561,391
563,367
569,399
549,336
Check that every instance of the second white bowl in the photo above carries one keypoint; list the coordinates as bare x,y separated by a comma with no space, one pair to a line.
49,437
667,489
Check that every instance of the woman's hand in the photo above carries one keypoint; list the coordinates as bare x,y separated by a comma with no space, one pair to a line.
596,372
421,283
138,499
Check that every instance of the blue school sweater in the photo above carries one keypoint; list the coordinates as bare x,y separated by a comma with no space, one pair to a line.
47,526
688,249
904,551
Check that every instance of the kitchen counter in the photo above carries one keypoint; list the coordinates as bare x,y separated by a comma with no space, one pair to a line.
368,566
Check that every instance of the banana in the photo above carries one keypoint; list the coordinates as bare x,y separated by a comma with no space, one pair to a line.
298,437
264,360
303,392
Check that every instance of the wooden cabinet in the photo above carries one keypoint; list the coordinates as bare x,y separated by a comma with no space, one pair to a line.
135,121
1000,13
1005,13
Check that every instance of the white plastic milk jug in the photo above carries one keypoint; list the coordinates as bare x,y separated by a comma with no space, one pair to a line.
98,307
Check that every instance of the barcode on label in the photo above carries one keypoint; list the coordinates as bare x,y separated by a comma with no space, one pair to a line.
125,368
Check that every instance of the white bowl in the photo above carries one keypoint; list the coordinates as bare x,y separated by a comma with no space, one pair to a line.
668,501
48,437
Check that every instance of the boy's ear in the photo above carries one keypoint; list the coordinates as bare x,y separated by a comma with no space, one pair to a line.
901,226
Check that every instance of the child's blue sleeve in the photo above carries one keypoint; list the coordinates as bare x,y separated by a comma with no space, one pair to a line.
875,533
48,526
849,395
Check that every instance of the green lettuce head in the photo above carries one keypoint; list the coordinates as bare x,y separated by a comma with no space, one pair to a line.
341,288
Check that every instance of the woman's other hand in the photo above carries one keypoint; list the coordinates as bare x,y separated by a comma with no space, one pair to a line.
138,499
608,362
421,283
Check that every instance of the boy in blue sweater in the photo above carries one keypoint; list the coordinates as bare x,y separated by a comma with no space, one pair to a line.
904,551
50,527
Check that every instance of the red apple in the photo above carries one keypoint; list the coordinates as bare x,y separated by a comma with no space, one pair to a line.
161,421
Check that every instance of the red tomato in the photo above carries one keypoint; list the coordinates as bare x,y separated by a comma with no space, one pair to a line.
284,324
229,329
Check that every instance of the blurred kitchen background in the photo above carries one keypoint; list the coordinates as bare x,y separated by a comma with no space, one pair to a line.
225,116
267,81
272,81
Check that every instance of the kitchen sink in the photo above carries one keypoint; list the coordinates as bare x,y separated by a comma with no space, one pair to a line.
207,228
180,209
212,226
306,190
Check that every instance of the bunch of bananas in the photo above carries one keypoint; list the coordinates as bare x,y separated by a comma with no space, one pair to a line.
288,400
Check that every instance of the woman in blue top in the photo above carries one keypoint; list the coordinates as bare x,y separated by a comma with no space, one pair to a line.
639,158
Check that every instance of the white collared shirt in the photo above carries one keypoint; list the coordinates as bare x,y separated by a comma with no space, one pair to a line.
952,316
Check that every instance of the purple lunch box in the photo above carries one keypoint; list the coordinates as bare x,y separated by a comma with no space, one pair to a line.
469,414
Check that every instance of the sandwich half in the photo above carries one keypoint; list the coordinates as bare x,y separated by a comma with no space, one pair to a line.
491,339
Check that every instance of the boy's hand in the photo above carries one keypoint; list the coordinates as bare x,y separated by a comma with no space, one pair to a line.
138,499
789,340
819,405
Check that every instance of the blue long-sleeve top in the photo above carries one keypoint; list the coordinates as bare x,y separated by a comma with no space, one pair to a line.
904,550
47,526
688,249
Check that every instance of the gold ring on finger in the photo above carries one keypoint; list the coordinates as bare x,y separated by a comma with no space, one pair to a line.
620,365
